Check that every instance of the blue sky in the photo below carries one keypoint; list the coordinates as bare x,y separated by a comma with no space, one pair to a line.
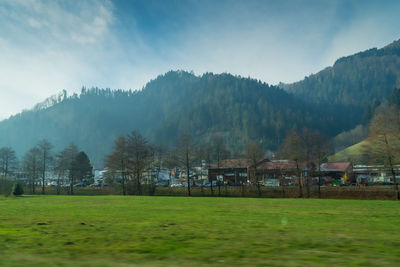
47,45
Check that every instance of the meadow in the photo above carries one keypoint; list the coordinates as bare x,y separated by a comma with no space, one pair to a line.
170,231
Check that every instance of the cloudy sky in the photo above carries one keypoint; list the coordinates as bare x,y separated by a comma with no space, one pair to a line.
48,45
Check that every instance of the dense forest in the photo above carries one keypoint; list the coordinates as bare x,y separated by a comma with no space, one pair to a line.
235,108
353,80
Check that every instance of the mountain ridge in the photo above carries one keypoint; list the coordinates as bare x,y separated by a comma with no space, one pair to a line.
238,109
357,79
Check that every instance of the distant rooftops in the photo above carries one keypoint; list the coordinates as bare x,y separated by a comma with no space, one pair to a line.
336,166
266,164
276,165
231,163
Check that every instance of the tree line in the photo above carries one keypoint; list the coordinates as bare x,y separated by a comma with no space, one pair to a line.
133,155
70,166
135,161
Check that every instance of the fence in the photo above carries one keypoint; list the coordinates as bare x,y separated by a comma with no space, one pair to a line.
344,192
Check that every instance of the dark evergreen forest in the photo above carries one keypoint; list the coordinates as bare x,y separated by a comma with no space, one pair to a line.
235,108
353,80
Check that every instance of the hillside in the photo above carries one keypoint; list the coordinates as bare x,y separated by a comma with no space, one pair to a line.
354,80
354,153
239,109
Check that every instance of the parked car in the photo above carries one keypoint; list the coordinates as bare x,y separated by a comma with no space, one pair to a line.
53,183
177,185
80,185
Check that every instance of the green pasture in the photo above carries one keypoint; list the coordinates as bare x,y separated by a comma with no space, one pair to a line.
352,153
171,231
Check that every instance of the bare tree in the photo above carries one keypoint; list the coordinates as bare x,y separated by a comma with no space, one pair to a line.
157,159
61,167
8,161
186,155
383,142
206,153
31,165
69,155
139,152
45,148
293,148
117,161
254,154
220,153
220,150
320,150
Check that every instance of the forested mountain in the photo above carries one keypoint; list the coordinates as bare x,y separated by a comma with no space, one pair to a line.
354,80
238,109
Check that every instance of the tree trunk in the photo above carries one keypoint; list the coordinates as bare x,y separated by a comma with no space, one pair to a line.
138,185
123,184
43,186
33,185
71,187
211,187
396,186
58,184
43,175
299,179
187,174
319,186
257,181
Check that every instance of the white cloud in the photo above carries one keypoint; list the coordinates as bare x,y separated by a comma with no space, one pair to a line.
372,28
47,47
285,42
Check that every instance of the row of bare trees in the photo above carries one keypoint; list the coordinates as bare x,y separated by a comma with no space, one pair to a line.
133,156
308,149
40,161
130,158
381,147
8,161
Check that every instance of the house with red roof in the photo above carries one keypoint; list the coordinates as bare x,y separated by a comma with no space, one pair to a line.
230,171
334,171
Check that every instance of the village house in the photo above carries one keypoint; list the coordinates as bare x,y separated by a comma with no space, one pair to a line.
230,171
336,172
277,172
237,172
369,174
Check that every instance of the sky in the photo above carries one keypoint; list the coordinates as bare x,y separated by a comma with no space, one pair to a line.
47,46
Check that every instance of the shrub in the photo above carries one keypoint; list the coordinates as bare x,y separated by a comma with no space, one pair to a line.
18,189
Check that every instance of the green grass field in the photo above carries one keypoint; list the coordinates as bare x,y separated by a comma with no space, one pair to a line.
160,231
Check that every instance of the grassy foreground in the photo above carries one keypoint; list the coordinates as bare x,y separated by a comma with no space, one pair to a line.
159,231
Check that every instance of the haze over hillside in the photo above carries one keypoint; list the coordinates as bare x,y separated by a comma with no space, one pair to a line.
238,109
353,80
